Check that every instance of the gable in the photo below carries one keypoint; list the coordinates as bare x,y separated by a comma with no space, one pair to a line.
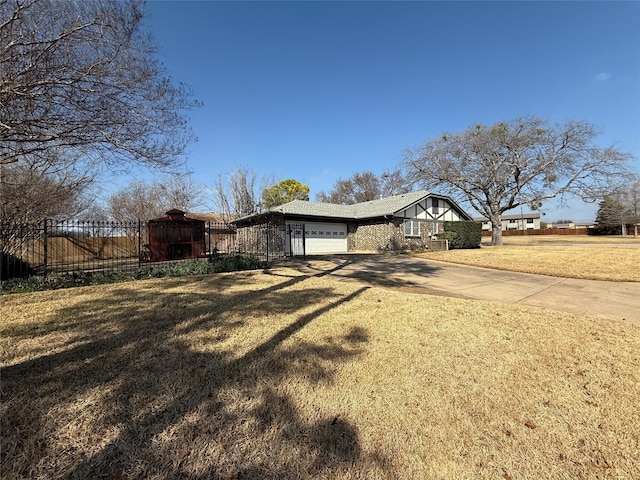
434,208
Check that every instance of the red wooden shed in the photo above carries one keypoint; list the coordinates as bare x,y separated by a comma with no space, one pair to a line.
176,237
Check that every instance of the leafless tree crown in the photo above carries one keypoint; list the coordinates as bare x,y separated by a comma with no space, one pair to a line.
235,195
81,75
144,201
29,195
521,162
364,187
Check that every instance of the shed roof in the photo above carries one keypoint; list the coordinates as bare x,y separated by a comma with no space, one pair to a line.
175,215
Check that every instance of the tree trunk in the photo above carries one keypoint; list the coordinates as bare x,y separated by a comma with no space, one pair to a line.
496,231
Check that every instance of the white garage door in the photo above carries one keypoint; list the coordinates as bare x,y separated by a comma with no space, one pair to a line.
325,238
322,238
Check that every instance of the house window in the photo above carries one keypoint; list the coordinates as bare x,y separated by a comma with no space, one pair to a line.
411,228
529,220
435,204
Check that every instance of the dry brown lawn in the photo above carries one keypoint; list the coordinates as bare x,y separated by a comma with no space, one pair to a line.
567,239
594,262
292,374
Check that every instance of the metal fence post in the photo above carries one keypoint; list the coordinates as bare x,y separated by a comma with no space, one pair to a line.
304,241
44,253
139,244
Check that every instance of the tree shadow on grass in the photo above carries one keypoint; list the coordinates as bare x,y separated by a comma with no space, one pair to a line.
386,270
149,386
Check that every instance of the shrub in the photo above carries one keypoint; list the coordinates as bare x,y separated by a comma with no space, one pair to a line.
465,234
448,236
79,279
608,229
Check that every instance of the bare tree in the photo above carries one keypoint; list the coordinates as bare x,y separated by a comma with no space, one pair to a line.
394,182
364,187
144,201
82,77
30,192
182,192
235,195
360,187
137,201
521,162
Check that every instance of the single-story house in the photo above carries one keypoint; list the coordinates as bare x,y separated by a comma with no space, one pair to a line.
404,221
523,221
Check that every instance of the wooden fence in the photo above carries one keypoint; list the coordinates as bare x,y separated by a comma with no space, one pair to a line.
542,231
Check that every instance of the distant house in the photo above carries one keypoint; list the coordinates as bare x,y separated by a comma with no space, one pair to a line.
524,221
401,221
563,226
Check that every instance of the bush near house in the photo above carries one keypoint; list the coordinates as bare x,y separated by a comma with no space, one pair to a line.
464,234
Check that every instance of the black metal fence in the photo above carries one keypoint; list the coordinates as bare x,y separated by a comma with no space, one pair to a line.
54,247
271,241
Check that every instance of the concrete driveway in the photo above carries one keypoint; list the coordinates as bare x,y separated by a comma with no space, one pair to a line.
616,300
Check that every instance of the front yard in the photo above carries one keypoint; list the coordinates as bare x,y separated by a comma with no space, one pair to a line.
598,261
286,374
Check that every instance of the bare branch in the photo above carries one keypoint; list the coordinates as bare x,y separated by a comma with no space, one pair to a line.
82,75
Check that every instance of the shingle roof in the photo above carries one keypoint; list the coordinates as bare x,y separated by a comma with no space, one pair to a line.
315,209
360,211
389,205
374,208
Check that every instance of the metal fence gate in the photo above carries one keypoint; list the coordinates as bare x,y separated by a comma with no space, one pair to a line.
272,241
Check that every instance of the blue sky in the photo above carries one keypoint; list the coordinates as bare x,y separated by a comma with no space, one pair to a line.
319,90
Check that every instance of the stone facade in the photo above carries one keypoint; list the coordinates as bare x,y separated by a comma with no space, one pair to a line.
387,236
372,237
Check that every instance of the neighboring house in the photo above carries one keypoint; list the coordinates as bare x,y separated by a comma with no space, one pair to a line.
405,221
524,221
